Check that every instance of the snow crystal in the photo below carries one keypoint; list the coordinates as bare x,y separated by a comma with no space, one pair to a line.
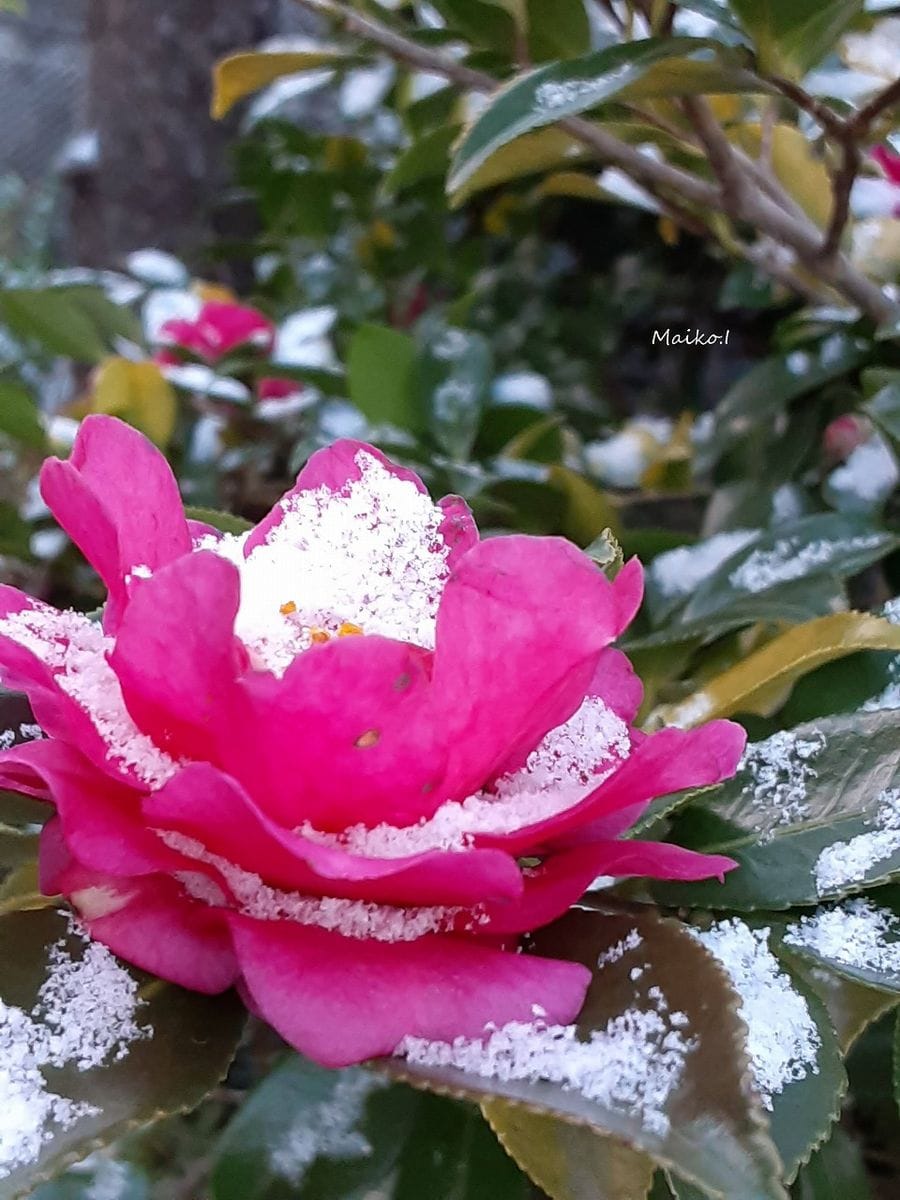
786,560
782,1038
75,649
351,918
567,765
633,1065
779,774
850,862
328,1129
371,554
890,697
856,934
554,95
84,1016
678,572
622,947
869,475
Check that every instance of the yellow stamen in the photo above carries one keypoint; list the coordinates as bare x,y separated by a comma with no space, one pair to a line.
369,738
348,629
318,636
288,608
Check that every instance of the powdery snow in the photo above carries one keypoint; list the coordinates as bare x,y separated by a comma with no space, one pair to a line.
869,475
855,934
75,649
327,1129
633,1065
786,560
851,862
84,1017
567,765
678,572
371,555
782,1038
780,771
351,918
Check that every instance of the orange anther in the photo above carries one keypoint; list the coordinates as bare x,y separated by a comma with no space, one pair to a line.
288,608
318,636
348,629
370,738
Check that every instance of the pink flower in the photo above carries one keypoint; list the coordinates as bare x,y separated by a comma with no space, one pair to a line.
218,330
278,389
842,436
312,759
889,161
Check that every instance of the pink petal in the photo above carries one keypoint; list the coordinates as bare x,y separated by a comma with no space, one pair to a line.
332,468
552,888
341,1001
671,760
617,684
520,628
458,528
176,655
347,735
100,819
148,921
117,499
206,805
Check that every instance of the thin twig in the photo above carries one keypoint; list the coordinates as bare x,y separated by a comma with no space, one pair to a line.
842,181
879,103
725,164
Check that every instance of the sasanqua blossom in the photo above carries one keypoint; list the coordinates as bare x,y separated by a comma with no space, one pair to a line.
343,761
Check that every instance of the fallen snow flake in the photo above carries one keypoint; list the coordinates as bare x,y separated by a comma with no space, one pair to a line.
552,95
84,1016
359,919
678,572
371,553
75,649
633,1065
568,764
856,934
851,862
779,773
30,732
631,941
787,560
782,1038
693,710
7,738
869,475
328,1129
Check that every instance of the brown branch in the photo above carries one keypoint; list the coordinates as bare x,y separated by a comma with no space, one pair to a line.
823,113
879,103
842,181
767,215
726,167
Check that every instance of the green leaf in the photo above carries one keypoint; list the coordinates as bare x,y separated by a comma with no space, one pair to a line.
313,1134
836,1171
567,1161
793,35
547,94
588,511
858,939
192,1043
427,158
700,1120
95,1178
827,544
796,797
19,417
759,683
223,521
381,377
453,375
558,30
851,1007
897,1060
884,409
240,75
17,846
78,322
771,385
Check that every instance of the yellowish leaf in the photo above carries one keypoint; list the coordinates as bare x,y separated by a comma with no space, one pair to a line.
240,75
758,684
139,393
802,174
588,511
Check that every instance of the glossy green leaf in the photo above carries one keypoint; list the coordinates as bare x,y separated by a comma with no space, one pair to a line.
884,409
313,1134
852,1007
381,377
835,937
793,35
427,158
78,322
776,820
558,30
547,94
19,417
223,521
453,374
829,544
702,1121
98,1177
191,1046
836,1171
567,1161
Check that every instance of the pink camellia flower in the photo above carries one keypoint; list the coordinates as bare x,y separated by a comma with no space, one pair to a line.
343,761
217,330
842,436
889,161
